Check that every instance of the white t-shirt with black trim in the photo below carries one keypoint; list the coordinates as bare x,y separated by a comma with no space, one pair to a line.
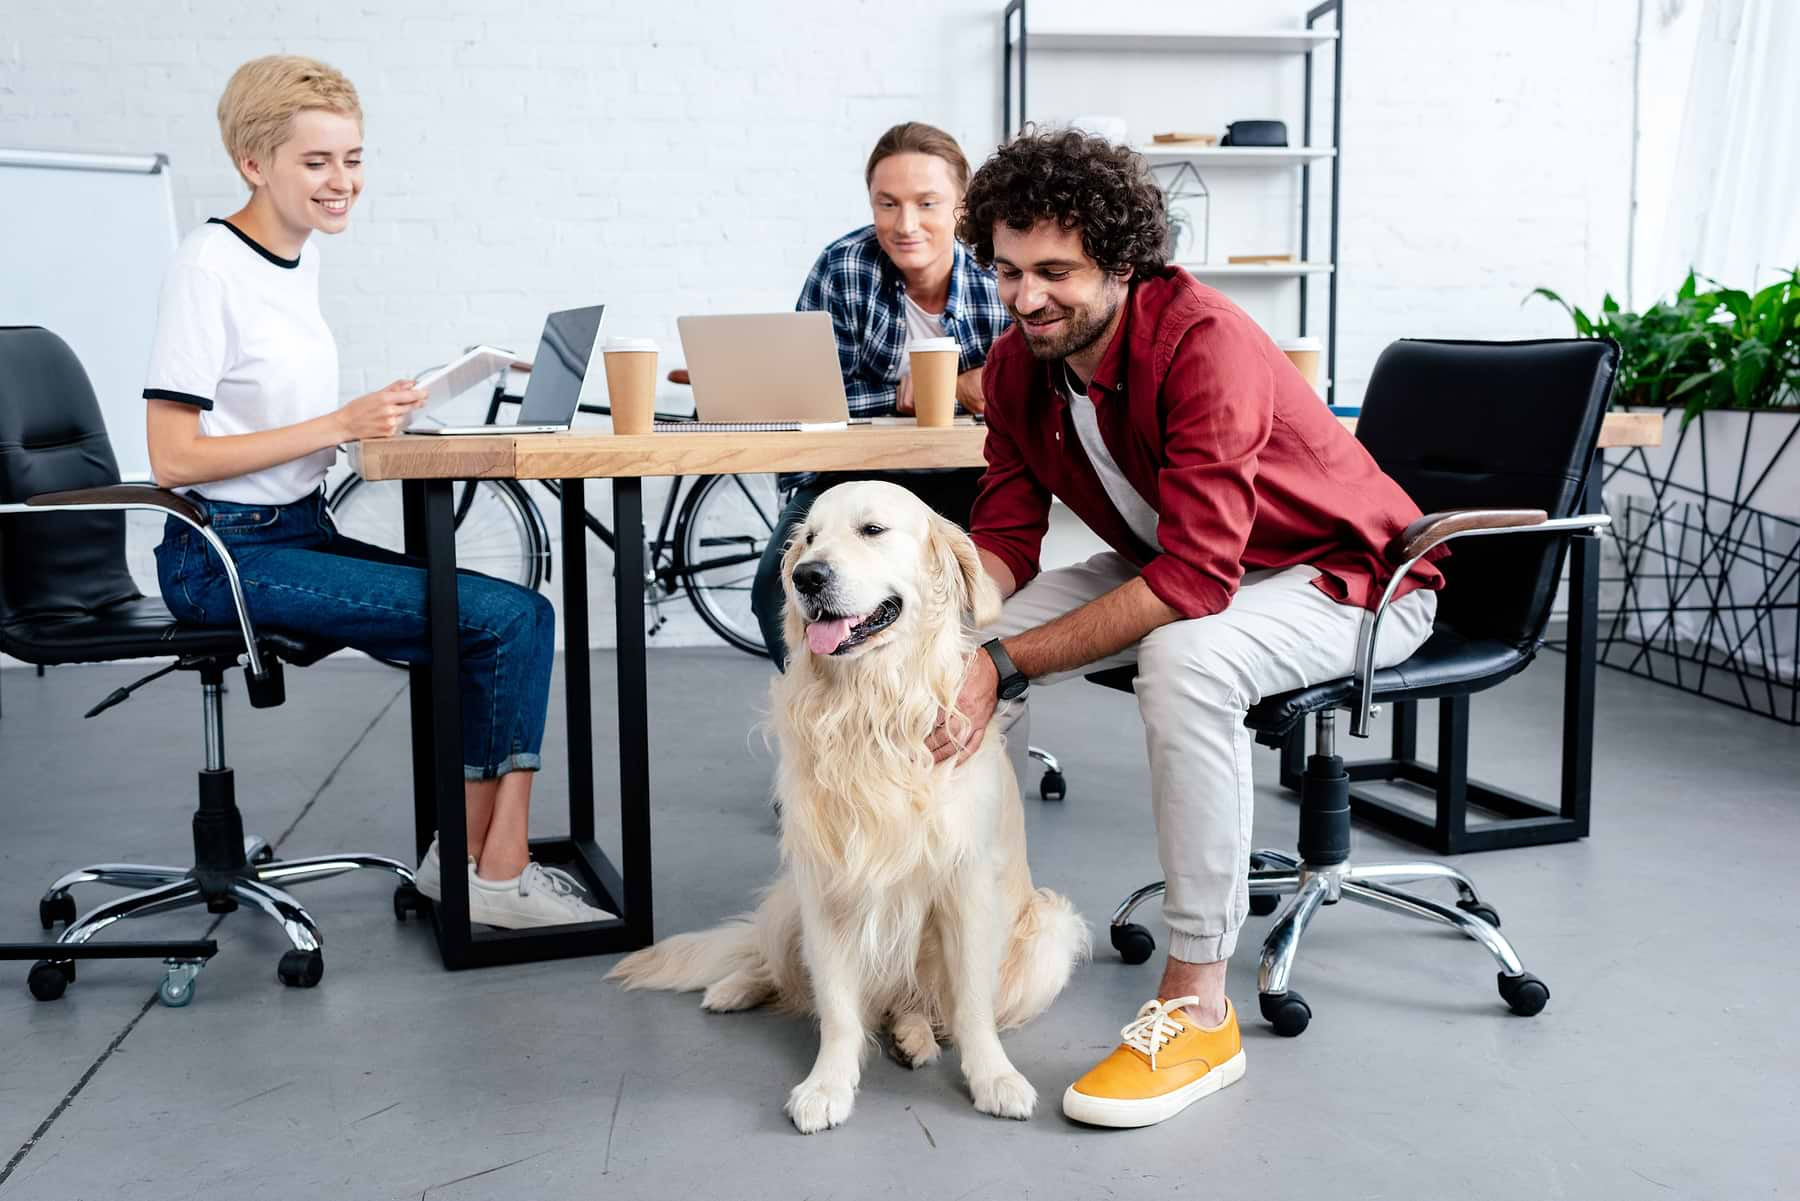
239,336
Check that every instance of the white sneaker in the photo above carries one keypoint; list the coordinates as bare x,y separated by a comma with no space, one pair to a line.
538,896
429,878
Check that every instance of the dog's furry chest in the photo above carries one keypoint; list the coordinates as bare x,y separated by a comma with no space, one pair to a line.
881,833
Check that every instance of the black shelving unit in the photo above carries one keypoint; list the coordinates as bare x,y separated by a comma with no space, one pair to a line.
1015,47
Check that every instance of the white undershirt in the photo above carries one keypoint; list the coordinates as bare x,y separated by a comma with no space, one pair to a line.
239,336
1138,514
919,324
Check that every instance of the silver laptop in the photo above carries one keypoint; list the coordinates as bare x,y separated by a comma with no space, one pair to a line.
763,371
557,373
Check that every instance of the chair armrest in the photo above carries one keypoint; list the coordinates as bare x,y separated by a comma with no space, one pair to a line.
133,495
125,497
1425,535
1434,528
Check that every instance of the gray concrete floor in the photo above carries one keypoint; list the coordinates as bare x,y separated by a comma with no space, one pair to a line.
1665,1065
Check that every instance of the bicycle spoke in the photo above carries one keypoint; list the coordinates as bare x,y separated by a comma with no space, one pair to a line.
720,586
768,523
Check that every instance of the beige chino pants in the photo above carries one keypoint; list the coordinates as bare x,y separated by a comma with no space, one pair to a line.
1196,679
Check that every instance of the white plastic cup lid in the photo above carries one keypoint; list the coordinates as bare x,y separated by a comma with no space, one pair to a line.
1307,343
933,344
614,345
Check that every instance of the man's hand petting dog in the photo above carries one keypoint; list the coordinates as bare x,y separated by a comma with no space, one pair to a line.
976,702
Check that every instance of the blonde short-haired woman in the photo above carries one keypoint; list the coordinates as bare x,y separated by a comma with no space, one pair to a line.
244,418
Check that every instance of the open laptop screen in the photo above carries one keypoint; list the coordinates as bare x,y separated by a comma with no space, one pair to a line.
561,364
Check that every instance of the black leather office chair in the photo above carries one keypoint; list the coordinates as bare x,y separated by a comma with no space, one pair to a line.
66,597
1488,438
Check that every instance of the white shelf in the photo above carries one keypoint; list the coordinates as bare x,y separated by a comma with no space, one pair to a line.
1255,270
1272,41
1246,156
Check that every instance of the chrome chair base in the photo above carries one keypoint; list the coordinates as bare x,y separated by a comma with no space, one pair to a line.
260,884
1276,874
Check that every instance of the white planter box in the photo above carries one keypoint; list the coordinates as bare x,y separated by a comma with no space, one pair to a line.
1704,565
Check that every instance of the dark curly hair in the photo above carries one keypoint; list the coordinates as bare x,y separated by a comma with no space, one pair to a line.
1079,181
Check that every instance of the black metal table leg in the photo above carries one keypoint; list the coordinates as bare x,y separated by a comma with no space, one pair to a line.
412,494
633,691
436,705
581,850
1579,663
443,725
577,678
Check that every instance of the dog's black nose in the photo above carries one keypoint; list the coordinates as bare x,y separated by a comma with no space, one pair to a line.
811,578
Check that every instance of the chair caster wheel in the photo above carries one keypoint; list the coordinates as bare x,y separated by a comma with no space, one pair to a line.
1287,1011
1263,906
301,969
1485,912
59,908
408,899
1053,786
1133,942
48,979
177,988
1524,994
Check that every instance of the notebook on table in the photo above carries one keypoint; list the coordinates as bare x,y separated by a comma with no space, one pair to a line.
762,372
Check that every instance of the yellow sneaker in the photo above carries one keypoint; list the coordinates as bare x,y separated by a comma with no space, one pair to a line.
1165,1064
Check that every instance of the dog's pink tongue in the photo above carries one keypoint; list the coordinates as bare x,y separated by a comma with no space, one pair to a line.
823,637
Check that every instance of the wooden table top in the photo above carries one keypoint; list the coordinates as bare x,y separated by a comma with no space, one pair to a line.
580,454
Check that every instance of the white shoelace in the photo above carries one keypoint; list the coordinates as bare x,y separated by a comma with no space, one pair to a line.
552,880
1155,1026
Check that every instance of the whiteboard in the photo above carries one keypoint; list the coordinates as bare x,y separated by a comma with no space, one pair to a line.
85,240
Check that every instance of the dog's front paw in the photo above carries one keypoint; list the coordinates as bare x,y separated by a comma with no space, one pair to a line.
1006,1095
815,1105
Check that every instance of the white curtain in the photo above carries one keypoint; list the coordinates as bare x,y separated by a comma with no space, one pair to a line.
1734,208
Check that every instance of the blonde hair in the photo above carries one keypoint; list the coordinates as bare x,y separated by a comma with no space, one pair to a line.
258,105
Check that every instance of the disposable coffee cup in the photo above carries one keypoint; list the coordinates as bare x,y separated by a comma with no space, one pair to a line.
934,363
1303,353
631,383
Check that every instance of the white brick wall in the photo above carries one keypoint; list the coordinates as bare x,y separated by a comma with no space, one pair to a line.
693,157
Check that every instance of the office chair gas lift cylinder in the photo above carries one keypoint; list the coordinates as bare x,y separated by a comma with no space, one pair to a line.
1325,810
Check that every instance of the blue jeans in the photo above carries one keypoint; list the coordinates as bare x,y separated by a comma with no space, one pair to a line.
299,574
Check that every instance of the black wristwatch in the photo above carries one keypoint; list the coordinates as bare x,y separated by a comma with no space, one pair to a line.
1013,682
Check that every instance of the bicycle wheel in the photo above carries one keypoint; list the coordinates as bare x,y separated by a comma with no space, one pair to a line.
501,534
725,524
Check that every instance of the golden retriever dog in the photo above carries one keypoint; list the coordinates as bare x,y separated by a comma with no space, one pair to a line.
904,898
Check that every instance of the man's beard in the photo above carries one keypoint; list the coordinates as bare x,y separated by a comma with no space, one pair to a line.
1081,328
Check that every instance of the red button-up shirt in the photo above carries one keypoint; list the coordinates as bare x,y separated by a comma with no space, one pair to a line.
1215,428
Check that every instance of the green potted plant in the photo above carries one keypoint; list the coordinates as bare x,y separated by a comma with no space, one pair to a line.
1715,349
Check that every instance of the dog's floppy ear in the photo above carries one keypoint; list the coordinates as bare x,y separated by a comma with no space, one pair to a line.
793,626
953,554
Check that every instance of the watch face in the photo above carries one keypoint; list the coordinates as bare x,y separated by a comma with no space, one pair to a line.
1014,690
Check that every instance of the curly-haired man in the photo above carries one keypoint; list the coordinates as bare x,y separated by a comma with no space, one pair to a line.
1247,532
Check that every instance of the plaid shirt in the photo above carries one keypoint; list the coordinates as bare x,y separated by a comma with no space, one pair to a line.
855,282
